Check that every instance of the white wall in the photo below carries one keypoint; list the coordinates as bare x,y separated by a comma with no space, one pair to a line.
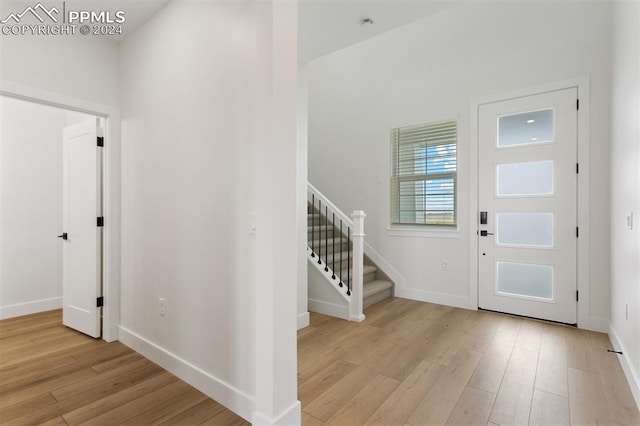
205,152
431,70
625,189
72,66
31,206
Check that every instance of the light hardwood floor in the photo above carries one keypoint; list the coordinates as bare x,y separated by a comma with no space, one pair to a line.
412,363
52,375
409,363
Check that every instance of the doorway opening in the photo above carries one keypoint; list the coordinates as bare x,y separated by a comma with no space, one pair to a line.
32,213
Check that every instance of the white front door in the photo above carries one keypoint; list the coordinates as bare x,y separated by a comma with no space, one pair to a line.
82,245
527,186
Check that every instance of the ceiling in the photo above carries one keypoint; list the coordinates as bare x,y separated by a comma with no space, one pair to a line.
329,25
324,25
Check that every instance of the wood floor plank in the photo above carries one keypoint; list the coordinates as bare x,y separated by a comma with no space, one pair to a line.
548,409
441,399
620,402
107,383
309,390
195,415
116,362
473,407
91,410
599,340
149,401
530,336
177,404
309,420
397,408
513,402
58,421
551,374
26,392
20,409
226,418
580,352
587,404
488,375
365,402
337,396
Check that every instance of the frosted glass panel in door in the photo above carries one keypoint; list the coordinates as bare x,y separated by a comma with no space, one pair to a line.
524,279
525,128
519,179
525,229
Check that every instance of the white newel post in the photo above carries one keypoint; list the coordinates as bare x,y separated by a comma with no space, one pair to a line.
355,307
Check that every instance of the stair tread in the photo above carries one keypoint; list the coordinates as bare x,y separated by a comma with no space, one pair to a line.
376,286
368,269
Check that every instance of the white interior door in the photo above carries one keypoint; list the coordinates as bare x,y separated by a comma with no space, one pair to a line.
82,245
528,189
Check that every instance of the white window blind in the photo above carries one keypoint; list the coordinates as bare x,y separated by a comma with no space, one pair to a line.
423,174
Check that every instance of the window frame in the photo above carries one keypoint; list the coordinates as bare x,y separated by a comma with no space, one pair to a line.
397,177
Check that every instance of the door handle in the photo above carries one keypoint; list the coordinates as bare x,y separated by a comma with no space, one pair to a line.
63,236
485,233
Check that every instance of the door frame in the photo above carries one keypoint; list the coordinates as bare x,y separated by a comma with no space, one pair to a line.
111,190
582,84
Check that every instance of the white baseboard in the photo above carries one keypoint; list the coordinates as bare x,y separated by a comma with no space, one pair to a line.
331,309
232,398
433,297
633,376
28,308
303,320
292,416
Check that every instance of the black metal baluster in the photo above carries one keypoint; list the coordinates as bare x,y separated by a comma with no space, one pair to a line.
319,232
341,254
333,235
348,261
326,239
313,225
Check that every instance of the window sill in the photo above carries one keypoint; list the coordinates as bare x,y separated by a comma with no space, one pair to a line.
420,232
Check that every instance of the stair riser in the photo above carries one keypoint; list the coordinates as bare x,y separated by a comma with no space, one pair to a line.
328,251
375,298
315,235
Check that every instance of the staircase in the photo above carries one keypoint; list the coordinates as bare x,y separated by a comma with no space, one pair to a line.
342,279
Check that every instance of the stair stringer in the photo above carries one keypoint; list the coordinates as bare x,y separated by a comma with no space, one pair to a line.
325,296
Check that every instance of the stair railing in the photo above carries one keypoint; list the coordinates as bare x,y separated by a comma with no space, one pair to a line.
338,225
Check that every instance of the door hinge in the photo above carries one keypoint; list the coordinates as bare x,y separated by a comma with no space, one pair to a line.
577,296
100,221
577,231
578,104
100,302
577,168
100,141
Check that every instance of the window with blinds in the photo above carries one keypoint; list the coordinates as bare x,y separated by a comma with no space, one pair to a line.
423,174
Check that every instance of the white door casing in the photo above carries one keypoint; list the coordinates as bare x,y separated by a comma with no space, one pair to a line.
527,154
82,205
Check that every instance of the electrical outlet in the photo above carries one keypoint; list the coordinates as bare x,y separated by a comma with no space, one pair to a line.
445,265
630,221
161,306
